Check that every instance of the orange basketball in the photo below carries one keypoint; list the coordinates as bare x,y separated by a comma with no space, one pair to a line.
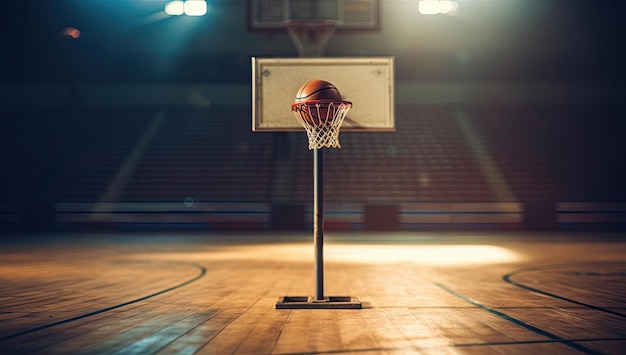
318,90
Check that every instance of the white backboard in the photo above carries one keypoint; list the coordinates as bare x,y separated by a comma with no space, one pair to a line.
367,82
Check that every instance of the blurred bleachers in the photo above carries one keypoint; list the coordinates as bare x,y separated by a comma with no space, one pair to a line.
206,155
572,153
426,160
108,137
522,143
167,161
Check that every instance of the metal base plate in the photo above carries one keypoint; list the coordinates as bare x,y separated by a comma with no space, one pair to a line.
307,302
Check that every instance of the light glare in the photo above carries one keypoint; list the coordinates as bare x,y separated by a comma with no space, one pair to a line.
436,255
433,255
446,7
429,7
195,8
175,8
435,7
71,32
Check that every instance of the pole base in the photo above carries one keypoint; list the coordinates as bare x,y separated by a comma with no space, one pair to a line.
307,302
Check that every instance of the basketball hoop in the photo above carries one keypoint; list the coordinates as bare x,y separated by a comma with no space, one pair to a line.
319,108
310,37
322,121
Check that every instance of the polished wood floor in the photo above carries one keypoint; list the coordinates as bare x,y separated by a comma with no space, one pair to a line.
428,293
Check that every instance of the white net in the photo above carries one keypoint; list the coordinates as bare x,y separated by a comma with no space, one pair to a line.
322,121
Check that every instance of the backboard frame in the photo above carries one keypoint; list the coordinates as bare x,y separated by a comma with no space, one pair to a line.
367,82
350,15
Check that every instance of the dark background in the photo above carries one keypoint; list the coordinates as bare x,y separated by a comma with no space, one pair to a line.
70,105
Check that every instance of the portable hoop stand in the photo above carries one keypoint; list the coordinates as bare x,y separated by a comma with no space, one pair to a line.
322,121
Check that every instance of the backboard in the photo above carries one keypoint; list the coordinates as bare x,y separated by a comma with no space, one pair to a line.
346,14
367,82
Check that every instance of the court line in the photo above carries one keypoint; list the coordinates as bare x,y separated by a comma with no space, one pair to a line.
107,309
566,342
507,278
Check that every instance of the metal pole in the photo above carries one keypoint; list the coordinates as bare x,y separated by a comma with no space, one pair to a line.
318,221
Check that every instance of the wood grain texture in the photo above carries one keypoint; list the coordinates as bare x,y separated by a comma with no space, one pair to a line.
510,293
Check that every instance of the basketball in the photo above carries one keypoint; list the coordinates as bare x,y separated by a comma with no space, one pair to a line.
318,90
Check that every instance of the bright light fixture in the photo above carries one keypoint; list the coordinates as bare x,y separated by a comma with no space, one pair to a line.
428,7
175,8
435,7
195,8
447,6
189,8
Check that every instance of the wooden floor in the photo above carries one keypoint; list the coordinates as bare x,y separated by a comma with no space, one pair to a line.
428,293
